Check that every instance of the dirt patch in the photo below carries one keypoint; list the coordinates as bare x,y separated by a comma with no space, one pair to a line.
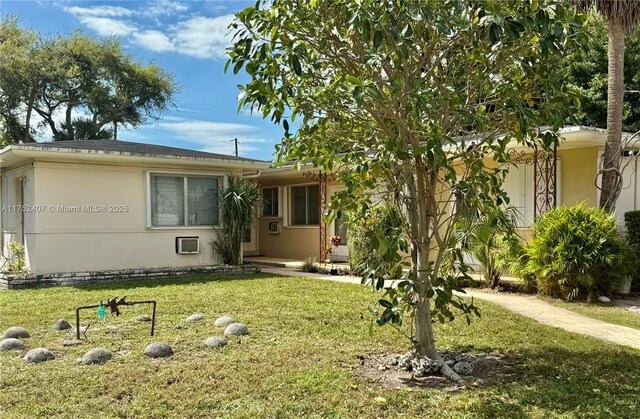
383,369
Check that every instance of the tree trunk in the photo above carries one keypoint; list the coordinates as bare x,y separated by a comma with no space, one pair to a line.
27,122
611,177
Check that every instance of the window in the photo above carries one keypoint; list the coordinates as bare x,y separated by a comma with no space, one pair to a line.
305,205
270,202
179,201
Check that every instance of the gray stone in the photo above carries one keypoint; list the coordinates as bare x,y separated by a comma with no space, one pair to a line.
236,329
604,299
143,318
635,309
224,321
424,366
158,350
463,368
195,317
62,324
96,356
181,326
16,332
11,344
39,355
71,342
215,341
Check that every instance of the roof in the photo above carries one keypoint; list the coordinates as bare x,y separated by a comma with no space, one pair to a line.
118,147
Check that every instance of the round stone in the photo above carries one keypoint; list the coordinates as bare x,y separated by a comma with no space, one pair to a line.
11,344
16,332
158,350
463,368
604,299
96,356
62,324
71,342
181,326
236,329
215,341
224,321
39,355
143,318
196,317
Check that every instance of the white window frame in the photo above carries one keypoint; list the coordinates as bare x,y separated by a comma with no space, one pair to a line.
222,183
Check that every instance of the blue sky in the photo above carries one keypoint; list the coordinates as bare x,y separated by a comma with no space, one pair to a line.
187,38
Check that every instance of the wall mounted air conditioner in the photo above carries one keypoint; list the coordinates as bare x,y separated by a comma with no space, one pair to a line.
187,245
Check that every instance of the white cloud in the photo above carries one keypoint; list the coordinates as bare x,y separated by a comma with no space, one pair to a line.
107,26
203,37
164,8
100,11
153,41
217,137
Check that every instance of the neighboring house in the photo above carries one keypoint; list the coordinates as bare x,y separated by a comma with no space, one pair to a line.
108,206
290,223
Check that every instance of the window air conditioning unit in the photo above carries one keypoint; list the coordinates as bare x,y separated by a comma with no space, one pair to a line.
274,227
187,245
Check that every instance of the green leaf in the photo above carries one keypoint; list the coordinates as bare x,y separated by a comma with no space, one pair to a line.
296,65
377,39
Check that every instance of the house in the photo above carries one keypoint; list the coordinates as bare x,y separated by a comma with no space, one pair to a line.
109,207
290,223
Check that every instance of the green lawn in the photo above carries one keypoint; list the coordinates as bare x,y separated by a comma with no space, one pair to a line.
604,312
298,361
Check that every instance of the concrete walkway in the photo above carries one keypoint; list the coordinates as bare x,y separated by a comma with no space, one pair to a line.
528,306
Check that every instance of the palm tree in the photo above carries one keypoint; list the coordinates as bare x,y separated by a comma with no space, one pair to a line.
622,17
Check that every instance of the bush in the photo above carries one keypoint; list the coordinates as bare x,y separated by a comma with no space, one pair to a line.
632,222
375,241
309,264
576,252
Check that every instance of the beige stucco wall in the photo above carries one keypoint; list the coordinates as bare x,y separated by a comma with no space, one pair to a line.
62,241
578,175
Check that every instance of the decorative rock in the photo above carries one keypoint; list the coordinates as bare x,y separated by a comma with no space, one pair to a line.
463,368
195,317
15,332
236,329
11,344
215,341
604,299
224,321
424,366
181,326
71,342
635,309
39,355
158,350
96,356
143,318
62,324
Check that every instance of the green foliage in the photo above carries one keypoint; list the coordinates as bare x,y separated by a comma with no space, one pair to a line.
394,97
632,223
238,201
490,237
376,243
309,264
587,71
56,75
17,263
577,252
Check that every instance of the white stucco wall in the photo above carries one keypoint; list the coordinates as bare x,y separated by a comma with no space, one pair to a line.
61,238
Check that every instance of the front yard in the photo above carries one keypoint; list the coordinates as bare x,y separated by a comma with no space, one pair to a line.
307,339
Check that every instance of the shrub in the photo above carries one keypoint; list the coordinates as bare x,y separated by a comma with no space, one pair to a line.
375,241
309,264
17,262
632,222
576,252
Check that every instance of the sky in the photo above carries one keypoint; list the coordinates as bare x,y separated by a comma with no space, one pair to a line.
186,38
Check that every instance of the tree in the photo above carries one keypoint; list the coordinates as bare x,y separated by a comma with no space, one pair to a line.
622,16
238,201
409,98
587,71
57,78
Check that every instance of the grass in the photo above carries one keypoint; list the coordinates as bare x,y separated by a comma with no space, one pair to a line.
298,361
604,312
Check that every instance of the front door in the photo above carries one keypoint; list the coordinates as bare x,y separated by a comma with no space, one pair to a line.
339,228
250,242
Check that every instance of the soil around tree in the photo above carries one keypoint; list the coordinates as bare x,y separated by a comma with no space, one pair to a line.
384,369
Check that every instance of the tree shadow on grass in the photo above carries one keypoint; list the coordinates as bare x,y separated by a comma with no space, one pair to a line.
125,284
558,380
